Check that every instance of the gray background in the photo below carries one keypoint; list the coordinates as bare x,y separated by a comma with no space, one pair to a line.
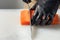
11,4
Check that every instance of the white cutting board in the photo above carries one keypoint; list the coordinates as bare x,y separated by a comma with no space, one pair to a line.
10,28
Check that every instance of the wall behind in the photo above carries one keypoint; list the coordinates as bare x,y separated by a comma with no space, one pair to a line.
11,4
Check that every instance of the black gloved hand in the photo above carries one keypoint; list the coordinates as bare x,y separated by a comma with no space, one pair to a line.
44,12
27,1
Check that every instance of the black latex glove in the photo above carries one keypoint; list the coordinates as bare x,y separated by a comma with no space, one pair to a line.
27,1
44,12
